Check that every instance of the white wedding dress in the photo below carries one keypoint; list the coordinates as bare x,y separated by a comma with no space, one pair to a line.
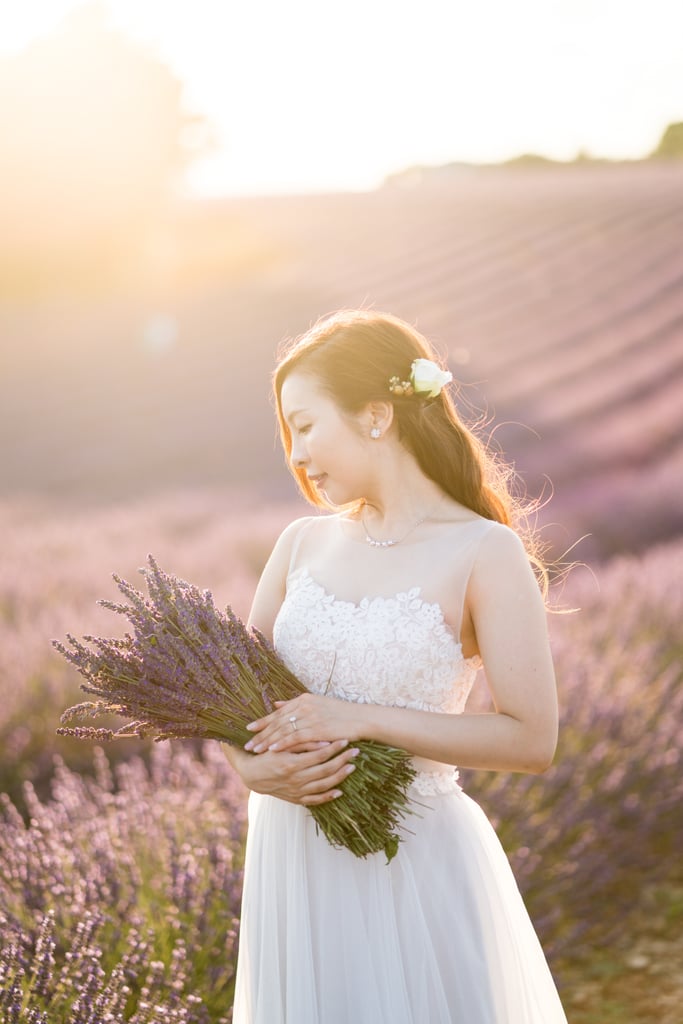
440,935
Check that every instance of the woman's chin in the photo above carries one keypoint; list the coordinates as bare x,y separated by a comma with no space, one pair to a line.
330,493
336,493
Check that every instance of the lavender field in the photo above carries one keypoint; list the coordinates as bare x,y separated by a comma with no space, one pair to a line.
135,418
120,869
555,295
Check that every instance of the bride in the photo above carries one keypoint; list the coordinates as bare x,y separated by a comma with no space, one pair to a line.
386,607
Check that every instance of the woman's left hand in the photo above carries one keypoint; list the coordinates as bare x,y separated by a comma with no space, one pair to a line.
308,718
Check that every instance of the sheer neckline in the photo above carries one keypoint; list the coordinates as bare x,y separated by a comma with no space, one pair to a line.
365,602
344,519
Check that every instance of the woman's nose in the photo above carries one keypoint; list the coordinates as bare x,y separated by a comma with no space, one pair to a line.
298,456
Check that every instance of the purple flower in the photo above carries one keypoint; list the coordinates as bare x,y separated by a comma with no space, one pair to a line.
188,671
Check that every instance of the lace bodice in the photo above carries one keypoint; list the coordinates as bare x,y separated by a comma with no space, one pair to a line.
396,651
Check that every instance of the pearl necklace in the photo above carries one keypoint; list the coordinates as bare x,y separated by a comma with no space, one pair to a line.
390,543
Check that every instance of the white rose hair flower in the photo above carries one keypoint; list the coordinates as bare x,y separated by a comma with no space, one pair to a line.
426,380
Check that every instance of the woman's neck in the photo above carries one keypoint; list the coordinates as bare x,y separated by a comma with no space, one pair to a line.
400,496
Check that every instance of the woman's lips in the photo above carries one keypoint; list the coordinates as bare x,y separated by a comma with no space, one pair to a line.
318,480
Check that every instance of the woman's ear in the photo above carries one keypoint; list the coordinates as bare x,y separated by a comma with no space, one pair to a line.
378,418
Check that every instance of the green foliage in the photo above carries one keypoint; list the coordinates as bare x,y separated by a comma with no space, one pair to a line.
671,143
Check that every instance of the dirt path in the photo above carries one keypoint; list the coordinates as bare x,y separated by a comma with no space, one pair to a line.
641,980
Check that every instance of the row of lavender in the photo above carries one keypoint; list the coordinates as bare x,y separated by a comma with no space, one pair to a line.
119,899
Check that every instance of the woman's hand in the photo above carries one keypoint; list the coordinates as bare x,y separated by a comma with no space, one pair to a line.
308,718
310,776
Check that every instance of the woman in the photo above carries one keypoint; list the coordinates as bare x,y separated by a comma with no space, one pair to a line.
386,609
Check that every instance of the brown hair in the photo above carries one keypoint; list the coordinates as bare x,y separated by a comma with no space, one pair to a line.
353,354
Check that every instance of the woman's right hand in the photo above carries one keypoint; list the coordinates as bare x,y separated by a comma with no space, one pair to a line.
310,775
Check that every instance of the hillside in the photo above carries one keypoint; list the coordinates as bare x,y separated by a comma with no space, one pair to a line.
557,293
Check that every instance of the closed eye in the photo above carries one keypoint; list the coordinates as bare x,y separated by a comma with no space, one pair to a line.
304,430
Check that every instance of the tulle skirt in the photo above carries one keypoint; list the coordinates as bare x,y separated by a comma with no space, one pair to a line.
438,936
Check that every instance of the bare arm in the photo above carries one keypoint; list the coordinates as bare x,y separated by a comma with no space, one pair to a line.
507,611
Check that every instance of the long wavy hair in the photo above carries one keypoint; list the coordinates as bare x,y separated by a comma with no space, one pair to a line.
353,354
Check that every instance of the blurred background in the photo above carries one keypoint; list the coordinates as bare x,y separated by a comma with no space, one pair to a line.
143,292
184,186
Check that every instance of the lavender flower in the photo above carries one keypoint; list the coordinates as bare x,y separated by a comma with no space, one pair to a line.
593,841
135,917
189,671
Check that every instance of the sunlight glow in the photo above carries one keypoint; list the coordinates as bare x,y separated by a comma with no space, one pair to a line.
307,96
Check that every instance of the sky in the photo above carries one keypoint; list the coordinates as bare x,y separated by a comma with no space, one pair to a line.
315,96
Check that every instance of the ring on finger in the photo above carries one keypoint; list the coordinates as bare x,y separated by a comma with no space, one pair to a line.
292,719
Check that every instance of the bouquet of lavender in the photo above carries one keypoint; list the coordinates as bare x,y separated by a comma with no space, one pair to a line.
189,670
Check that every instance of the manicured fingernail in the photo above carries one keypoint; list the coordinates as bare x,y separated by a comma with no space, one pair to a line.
350,768
273,746
252,725
249,745
354,752
337,793
259,748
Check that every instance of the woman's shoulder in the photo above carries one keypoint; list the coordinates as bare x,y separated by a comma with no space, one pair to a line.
292,535
272,585
500,556
292,529
483,546
475,531
499,535
304,523
495,541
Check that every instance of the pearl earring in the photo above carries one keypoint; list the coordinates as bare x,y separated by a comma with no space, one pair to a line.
375,433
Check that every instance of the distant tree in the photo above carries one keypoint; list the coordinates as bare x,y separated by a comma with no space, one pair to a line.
93,136
530,160
671,143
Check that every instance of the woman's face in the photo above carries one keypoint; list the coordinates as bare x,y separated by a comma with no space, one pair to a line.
328,444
